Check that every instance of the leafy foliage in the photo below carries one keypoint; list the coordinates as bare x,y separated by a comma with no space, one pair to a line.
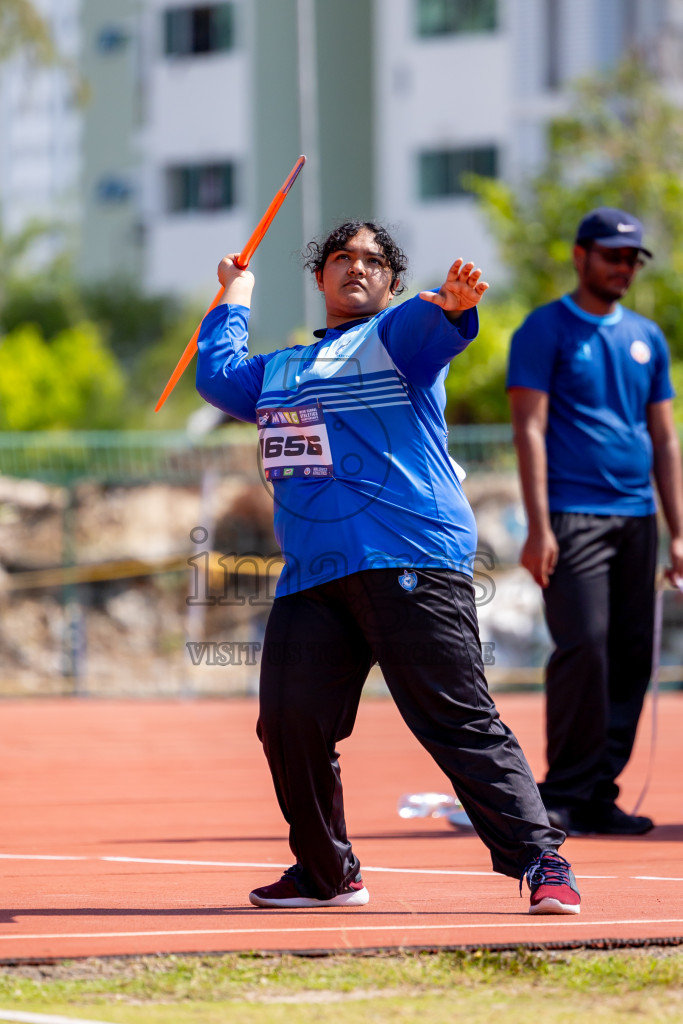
53,303
620,145
23,29
475,385
147,334
139,340
130,319
15,248
71,355
71,382
153,370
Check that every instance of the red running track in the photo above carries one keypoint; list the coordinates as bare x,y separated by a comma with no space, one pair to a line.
135,828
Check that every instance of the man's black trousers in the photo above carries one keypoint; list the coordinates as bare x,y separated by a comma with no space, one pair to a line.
600,613
319,646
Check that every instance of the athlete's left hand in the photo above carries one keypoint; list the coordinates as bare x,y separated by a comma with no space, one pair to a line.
461,290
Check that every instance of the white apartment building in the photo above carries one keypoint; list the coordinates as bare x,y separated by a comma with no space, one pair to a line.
40,136
198,110
195,140
470,85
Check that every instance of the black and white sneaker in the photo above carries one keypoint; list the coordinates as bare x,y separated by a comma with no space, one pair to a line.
286,893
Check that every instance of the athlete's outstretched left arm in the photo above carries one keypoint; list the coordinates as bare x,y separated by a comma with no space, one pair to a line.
423,334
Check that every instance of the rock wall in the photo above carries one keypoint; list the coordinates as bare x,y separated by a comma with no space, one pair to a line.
140,615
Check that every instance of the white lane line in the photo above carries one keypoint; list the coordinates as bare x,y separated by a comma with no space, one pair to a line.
39,856
195,863
260,864
655,878
448,871
430,871
45,1018
271,864
344,929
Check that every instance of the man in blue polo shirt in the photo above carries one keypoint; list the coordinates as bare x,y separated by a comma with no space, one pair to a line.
590,395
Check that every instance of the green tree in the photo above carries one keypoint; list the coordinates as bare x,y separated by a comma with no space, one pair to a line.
621,144
147,334
75,356
131,320
154,368
51,300
475,385
22,29
13,249
24,32
71,382
141,337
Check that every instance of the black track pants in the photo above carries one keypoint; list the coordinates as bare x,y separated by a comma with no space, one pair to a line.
319,646
600,612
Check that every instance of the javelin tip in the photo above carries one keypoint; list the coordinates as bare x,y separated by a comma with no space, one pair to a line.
293,174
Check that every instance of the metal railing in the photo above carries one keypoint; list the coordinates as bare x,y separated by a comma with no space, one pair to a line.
137,456
482,446
125,457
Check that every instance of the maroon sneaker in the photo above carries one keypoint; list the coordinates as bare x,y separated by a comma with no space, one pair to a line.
285,893
552,884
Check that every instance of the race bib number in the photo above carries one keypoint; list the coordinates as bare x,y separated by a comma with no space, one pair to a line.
294,443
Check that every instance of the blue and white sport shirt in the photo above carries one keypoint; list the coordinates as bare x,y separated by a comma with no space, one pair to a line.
352,437
601,373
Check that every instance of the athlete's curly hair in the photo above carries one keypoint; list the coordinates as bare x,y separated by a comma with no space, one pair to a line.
316,252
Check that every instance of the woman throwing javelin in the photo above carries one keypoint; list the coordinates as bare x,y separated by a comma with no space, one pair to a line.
378,541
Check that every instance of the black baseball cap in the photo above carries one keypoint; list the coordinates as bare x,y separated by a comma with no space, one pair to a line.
615,229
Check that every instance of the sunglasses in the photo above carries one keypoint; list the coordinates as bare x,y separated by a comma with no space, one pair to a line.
616,256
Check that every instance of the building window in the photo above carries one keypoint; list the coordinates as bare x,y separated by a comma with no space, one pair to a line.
442,17
112,38
552,48
200,187
629,24
113,190
208,28
442,171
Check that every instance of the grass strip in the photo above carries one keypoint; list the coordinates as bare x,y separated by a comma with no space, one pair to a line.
432,987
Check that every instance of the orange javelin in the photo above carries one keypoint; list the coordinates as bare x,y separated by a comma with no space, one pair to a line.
242,262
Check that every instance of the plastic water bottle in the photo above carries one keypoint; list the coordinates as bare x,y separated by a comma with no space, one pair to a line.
427,805
458,818
433,805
